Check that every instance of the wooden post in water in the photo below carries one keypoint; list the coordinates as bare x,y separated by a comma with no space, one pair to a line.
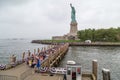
34,51
43,49
94,68
106,74
29,53
13,59
23,57
38,50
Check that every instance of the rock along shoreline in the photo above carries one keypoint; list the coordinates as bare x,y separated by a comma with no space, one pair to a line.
117,44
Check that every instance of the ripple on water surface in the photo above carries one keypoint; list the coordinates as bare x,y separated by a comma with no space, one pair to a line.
108,57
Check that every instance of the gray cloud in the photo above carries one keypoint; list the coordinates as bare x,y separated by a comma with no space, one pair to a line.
45,18
12,2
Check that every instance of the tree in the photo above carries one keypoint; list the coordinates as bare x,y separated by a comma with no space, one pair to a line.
111,34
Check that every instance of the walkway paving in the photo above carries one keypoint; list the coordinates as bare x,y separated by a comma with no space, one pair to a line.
86,78
40,76
17,71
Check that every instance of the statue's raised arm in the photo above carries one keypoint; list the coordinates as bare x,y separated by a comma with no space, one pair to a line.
73,17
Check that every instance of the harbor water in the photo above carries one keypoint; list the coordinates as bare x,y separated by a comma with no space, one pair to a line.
108,57
8,47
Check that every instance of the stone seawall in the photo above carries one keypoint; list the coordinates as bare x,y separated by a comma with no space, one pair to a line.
117,44
41,42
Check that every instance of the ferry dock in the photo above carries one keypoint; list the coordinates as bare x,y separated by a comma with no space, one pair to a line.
49,67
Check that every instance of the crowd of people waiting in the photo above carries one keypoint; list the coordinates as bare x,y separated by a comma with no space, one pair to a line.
35,60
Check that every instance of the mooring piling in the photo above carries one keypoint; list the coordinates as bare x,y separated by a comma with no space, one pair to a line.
23,57
94,68
106,74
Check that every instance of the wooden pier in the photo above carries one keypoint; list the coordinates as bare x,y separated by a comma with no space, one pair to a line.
54,59
23,72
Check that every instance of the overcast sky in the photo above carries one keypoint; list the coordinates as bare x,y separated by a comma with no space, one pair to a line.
46,18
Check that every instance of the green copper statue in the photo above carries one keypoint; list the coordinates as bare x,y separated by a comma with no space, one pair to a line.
73,17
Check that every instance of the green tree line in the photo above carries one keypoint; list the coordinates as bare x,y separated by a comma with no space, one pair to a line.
107,35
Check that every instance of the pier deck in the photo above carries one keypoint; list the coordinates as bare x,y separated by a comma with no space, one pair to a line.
19,70
86,78
40,76
44,76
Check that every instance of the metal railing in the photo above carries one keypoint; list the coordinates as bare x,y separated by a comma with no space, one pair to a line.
8,77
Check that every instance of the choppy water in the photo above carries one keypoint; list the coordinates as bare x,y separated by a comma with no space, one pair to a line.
17,47
108,57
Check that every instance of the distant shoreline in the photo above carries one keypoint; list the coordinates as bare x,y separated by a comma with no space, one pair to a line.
117,44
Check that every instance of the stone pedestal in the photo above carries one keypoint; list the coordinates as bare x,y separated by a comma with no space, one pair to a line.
73,28
72,35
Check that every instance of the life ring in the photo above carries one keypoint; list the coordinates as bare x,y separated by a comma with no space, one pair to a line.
43,69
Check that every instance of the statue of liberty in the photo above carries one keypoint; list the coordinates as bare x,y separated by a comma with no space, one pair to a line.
73,17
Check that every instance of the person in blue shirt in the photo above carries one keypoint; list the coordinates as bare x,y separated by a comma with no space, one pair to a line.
38,64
